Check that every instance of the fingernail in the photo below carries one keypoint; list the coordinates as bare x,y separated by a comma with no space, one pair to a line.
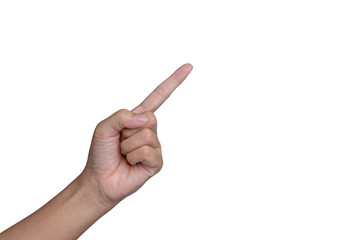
141,118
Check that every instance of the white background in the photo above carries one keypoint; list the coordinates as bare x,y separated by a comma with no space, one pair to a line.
260,142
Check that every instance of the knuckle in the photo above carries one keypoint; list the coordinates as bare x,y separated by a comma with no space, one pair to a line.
161,164
121,113
98,126
152,120
156,159
146,151
99,129
160,157
161,91
148,134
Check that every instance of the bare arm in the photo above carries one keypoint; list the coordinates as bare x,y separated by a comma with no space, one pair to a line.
118,165
66,216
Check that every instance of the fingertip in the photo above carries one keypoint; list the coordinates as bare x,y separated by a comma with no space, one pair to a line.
182,72
188,66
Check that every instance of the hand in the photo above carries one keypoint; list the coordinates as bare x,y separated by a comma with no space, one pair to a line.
125,151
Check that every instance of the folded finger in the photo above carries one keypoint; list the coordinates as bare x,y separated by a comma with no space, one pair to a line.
144,137
151,124
150,158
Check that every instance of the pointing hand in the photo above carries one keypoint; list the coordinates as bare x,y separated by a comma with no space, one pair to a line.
125,151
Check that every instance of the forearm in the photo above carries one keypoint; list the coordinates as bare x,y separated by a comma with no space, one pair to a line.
66,216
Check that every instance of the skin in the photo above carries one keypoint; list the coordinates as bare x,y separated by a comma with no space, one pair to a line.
125,152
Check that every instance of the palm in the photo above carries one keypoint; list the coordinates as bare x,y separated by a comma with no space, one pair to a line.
114,175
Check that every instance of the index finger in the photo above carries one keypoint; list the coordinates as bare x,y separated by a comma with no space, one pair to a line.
157,97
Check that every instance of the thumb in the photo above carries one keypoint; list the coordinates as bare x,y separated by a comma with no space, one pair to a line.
119,120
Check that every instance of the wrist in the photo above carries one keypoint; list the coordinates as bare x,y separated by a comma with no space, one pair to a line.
93,193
